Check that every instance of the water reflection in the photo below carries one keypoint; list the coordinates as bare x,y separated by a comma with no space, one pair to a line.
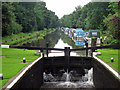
65,41
56,39
61,44
51,38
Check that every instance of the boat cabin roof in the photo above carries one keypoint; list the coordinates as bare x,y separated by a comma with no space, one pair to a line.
79,30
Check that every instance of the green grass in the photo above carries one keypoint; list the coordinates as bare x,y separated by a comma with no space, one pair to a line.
14,36
12,61
25,36
106,55
2,83
17,41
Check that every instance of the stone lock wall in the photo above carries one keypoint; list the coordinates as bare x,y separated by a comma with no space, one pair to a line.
33,78
103,78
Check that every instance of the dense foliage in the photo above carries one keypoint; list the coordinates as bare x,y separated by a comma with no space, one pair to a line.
96,15
26,17
112,23
88,17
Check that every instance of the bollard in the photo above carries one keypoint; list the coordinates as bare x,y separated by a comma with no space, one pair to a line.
112,59
35,53
1,76
39,51
24,60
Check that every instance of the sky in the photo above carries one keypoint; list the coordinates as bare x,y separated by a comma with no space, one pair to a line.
64,7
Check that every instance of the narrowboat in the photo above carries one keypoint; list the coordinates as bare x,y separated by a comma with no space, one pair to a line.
79,43
78,35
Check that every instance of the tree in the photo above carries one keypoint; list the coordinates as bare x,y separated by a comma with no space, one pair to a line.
96,13
9,24
112,24
39,17
89,17
26,17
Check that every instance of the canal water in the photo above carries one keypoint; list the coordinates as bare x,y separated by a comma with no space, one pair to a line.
56,39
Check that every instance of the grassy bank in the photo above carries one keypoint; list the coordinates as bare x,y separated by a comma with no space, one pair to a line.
106,55
17,38
12,62
21,37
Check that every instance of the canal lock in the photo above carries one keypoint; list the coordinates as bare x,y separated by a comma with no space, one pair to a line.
83,72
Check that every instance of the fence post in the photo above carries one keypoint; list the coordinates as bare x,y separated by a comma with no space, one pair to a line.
67,55
91,52
47,49
101,41
86,49
93,42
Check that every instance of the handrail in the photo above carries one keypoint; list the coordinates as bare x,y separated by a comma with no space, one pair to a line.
35,48
97,47
66,50
59,49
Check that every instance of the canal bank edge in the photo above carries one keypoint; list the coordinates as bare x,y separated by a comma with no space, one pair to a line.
17,77
110,68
